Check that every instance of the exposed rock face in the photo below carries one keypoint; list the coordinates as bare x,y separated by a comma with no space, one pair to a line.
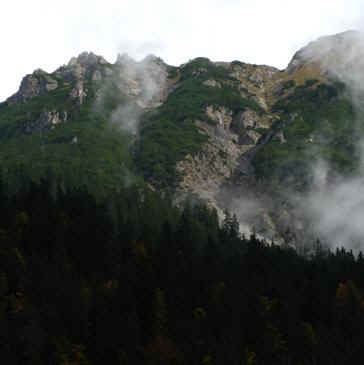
331,52
78,93
97,76
233,136
46,120
221,115
88,59
205,173
33,85
281,138
78,70
246,123
142,86
221,172
212,83
85,67
256,81
145,81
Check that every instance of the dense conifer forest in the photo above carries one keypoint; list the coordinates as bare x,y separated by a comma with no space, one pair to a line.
135,280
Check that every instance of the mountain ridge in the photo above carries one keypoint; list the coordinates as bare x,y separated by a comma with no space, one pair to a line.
206,129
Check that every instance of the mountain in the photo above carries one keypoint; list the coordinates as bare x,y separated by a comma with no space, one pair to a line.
239,136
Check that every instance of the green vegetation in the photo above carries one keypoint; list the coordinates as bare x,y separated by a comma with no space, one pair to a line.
134,280
13,118
204,69
311,82
162,144
170,133
173,71
288,84
189,101
237,63
85,150
97,269
318,123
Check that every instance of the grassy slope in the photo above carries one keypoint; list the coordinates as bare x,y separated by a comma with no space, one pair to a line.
101,157
169,134
319,123
101,154
97,160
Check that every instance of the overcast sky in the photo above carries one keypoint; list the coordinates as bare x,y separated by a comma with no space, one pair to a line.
46,34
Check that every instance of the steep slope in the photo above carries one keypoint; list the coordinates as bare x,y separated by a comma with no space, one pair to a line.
317,104
260,164
239,136
75,123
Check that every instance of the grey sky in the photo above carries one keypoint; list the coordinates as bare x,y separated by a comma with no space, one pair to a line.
46,34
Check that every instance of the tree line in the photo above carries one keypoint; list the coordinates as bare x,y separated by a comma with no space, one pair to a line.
133,279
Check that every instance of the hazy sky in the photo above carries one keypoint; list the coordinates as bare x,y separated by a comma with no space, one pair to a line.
46,34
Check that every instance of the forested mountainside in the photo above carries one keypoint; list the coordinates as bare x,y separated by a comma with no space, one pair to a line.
135,280
155,214
242,137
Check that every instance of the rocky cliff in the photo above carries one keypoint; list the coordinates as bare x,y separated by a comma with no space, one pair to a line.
230,133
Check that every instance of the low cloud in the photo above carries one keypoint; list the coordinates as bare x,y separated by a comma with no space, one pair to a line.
335,205
336,209
139,85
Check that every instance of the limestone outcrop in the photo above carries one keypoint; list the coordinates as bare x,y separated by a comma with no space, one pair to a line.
46,120
38,83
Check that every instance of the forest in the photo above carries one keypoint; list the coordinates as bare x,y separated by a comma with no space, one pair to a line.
133,279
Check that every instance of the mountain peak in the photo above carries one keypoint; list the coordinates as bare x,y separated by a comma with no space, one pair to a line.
123,58
87,59
331,53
